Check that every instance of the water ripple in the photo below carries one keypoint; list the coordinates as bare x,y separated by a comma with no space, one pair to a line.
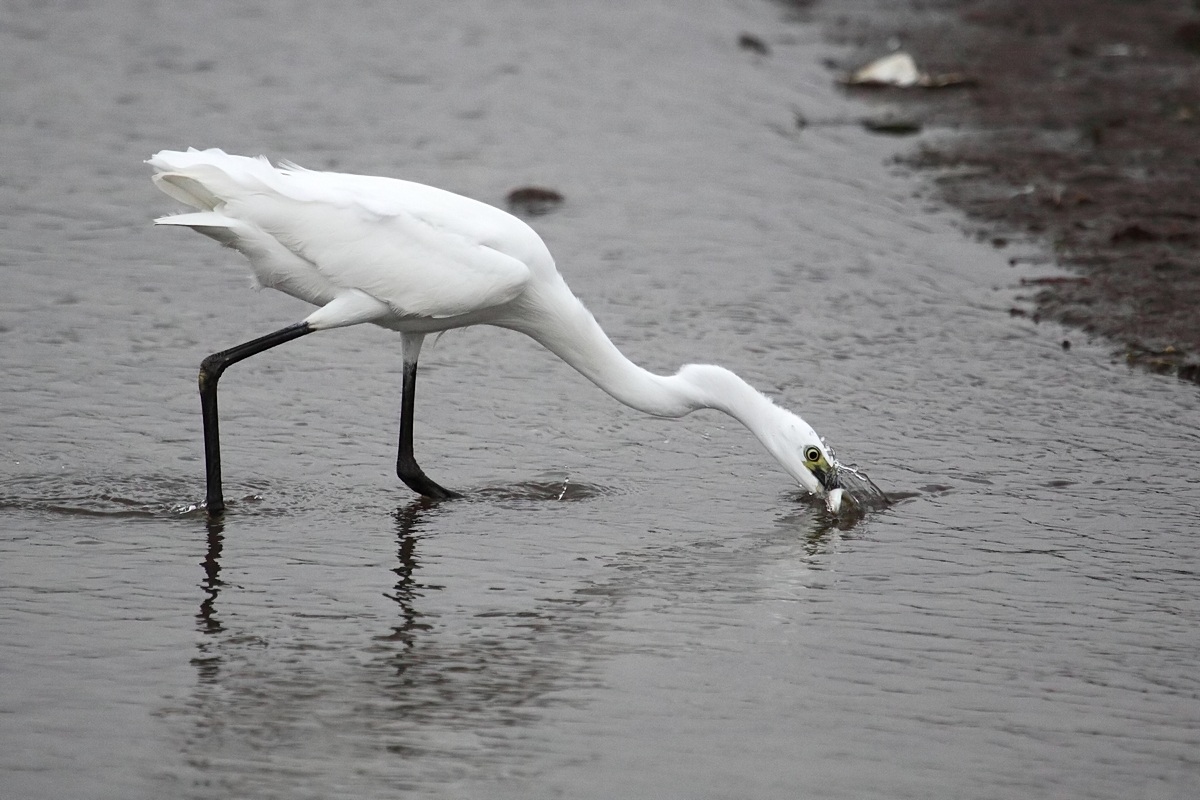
135,496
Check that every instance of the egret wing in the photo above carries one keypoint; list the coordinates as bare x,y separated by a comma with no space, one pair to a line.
417,268
424,251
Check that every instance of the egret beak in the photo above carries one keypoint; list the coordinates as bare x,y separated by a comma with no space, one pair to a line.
827,474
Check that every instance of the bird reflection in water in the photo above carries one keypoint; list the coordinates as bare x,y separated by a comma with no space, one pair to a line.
208,662
407,589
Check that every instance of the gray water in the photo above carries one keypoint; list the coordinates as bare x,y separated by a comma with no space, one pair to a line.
622,606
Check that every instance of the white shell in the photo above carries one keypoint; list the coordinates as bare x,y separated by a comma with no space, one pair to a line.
897,69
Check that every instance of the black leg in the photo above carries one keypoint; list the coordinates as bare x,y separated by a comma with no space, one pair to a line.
407,468
210,372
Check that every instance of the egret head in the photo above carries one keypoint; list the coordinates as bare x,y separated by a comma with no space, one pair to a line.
821,465
793,442
804,455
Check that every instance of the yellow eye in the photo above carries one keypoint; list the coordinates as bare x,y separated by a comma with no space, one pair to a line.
812,454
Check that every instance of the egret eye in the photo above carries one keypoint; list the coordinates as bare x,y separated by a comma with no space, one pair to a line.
812,454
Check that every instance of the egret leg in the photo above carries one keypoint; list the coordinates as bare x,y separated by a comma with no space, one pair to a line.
407,468
210,372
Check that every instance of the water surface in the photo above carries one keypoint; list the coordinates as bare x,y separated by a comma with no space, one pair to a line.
623,606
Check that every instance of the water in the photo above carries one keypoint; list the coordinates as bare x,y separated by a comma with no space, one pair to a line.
623,606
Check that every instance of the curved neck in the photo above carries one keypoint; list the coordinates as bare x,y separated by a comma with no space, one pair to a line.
565,327
559,321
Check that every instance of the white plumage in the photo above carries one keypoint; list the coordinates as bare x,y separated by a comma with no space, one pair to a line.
418,260
316,234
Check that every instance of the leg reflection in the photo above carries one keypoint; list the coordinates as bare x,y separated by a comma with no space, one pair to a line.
208,660
407,590
211,585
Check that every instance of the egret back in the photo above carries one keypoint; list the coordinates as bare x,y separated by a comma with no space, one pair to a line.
424,252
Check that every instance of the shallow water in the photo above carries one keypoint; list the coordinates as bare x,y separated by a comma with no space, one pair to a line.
623,606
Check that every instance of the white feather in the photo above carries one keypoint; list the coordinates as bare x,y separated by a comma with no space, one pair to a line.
423,260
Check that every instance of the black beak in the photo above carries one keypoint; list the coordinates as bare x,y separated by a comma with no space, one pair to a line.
828,478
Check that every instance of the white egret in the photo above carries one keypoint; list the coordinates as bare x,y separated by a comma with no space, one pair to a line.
420,260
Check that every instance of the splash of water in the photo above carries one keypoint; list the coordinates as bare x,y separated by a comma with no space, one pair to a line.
858,488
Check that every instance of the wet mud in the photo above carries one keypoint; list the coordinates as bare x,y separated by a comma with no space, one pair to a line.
1079,127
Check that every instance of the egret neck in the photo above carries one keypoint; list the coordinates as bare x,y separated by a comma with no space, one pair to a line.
561,323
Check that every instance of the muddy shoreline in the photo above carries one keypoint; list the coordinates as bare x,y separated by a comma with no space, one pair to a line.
1078,126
